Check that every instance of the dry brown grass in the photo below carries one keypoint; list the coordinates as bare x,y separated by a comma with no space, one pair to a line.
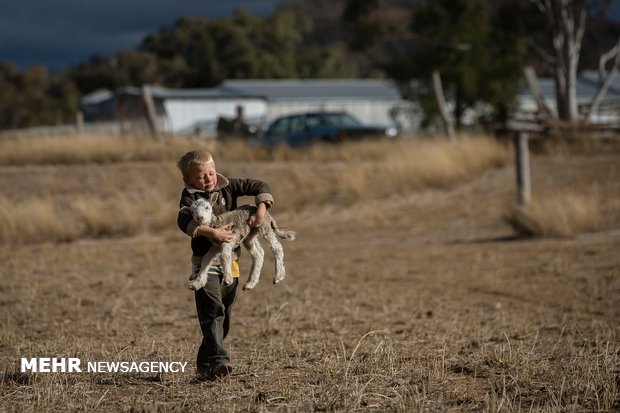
563,214
50,220
325,174
32,222
569,208
442,164
80,149
435,307
109,217
328,174
83,149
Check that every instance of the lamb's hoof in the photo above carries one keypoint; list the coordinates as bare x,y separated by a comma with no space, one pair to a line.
194,285
248,286
277,280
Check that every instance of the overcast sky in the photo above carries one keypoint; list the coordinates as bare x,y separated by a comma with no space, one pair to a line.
59,33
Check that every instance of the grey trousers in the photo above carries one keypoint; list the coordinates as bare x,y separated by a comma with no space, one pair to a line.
214,304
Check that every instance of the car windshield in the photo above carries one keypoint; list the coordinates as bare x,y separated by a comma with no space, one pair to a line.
313,120
297,124
340,119
280,126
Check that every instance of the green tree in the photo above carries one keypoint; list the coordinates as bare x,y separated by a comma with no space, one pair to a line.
479,61
189,51
233,47
280,41
10,95
122,69
377,34
31,97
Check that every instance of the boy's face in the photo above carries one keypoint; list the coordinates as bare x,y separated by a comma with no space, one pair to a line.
202,176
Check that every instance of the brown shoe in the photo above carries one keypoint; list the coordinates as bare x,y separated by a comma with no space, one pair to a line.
221,370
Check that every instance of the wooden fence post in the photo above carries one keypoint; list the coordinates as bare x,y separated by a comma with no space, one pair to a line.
151,114
522,166
79,122
441,103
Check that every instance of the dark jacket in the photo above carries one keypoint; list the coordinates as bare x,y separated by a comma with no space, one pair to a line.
228,191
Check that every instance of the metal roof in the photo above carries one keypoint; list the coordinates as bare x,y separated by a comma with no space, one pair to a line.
587,85
163,93
271,90
321,89
217,92
308,89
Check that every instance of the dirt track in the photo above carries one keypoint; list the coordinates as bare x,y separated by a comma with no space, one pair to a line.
430,304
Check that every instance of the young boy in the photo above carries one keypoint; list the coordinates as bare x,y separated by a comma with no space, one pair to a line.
214,301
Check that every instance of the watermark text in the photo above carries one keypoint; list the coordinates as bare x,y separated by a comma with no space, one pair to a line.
75,365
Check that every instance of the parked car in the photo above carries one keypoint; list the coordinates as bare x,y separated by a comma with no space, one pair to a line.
307,128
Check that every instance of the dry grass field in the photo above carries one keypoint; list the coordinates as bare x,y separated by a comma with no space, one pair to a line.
408,289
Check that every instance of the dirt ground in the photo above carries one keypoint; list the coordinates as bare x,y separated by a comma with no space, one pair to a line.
418,302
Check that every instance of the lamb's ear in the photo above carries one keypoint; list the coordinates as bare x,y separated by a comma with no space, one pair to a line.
213,198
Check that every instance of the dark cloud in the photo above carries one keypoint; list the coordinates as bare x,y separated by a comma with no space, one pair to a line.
60,33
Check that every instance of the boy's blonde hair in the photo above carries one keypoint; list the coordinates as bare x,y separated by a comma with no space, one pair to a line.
192,158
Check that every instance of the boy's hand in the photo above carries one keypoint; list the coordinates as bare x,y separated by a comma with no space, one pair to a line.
256,220
216,235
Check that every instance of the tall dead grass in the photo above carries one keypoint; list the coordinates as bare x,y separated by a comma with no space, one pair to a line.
50,220
377,170
82,149
33,222
564,213
442,164
319,175
110,217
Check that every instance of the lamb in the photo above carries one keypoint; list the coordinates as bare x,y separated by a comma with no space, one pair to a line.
202,213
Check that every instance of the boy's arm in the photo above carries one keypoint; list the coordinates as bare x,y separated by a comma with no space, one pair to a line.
215,235
184,216
252,187
256,220
262,197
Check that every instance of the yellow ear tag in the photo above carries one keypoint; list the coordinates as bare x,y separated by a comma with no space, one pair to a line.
235,269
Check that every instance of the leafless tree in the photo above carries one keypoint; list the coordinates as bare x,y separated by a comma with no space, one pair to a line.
606,77
567,20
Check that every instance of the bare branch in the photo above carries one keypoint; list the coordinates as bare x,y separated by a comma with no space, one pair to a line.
542,53
532,82
581,28
540,5
606,58
605,79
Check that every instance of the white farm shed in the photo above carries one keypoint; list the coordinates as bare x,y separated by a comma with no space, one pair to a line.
196,111
191,111
373,101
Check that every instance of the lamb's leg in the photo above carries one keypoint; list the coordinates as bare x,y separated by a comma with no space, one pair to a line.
201,280
258,255
278,254
226,258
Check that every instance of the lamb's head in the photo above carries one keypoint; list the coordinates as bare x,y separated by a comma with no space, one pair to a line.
202,212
